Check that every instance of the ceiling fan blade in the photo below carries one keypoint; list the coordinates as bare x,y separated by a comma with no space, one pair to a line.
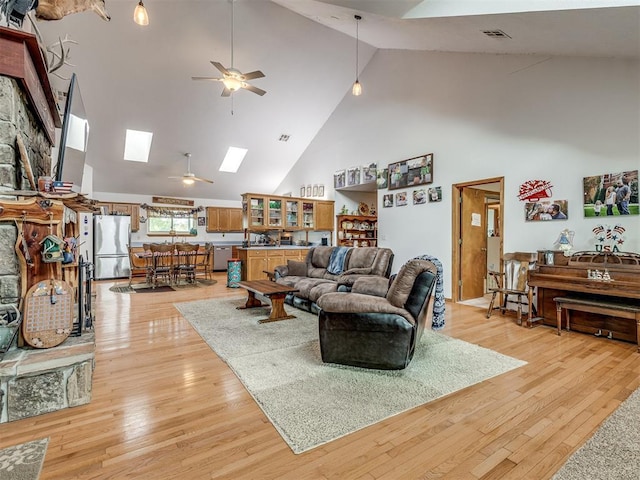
176,178
200,179
213,79
220,67
226,92
252,75
253,89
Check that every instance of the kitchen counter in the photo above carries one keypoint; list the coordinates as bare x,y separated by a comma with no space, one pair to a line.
273,247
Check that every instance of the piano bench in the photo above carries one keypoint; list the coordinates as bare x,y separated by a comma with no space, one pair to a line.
599,307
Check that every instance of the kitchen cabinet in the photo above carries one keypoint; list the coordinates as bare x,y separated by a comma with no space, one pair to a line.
292,215
357,230
324,215
256,260
224,219
119,208
271,212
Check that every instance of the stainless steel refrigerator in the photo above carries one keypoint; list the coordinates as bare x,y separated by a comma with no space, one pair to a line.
112,235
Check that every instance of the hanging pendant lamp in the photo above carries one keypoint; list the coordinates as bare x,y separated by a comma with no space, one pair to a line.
140,15
357,87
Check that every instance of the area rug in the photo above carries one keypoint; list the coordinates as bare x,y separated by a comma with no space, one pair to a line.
311,403
24,461
614,450
145,288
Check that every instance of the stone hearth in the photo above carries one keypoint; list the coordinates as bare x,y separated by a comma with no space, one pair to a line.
33,381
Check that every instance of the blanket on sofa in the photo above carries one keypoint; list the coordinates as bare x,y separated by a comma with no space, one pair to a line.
337,259
437,319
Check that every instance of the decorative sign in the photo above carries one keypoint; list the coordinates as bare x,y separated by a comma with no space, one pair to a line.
608,239
173,201
534,190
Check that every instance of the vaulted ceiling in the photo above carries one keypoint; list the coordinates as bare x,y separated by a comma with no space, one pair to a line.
139,78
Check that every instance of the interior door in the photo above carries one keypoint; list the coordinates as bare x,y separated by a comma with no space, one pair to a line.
473,247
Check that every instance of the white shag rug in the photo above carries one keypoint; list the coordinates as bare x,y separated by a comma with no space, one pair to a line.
310,402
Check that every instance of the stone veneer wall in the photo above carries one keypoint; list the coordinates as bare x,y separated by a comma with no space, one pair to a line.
32,381
15,116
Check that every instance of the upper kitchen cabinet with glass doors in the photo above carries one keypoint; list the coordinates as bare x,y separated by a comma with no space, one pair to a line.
292,215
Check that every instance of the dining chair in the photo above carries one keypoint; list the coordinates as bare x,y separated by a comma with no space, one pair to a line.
137,266
205,262
162,263
185,266
513,282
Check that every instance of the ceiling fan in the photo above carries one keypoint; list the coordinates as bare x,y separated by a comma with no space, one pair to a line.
189,178
232,78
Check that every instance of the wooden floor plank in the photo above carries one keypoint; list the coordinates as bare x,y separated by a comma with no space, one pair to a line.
165,406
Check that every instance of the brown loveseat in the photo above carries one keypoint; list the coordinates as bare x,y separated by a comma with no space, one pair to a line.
318,275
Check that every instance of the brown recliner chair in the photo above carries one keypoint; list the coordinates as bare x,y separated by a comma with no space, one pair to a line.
377,324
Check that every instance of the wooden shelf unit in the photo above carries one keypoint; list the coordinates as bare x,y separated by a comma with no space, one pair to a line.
357,230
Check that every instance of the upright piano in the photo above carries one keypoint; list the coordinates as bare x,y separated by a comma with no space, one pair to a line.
610,277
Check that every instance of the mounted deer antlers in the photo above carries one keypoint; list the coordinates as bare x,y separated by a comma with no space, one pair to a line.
57,60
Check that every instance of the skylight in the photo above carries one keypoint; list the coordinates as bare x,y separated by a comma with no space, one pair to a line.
233,159
137,146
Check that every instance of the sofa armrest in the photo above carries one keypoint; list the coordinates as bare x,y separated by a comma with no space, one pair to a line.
281,271
371,285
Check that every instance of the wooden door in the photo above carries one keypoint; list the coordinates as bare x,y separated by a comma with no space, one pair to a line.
473,235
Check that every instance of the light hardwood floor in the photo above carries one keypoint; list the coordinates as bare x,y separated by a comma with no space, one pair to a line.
165,406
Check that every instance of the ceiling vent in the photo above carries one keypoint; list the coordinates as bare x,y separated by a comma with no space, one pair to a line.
284,138
495,34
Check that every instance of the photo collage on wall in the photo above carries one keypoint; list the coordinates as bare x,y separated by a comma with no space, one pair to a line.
416,171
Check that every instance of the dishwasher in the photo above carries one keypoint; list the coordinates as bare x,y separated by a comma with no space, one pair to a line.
221,254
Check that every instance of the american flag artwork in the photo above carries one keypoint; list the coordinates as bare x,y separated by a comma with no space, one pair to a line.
607,238
62,187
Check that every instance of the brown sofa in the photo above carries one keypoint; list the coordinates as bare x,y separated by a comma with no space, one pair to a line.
313,277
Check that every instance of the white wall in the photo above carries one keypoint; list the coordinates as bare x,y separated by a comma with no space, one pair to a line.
522,117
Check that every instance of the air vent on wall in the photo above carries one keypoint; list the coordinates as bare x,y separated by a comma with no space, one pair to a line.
284,138
495,34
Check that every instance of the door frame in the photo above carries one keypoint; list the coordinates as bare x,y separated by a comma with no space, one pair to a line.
456,196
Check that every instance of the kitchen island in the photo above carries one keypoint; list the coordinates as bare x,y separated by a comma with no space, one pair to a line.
258,259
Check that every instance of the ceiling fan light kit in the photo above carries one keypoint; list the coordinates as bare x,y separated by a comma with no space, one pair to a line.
140,15
232,78
357,87
189,178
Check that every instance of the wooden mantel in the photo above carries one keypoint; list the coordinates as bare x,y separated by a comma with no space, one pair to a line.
21,58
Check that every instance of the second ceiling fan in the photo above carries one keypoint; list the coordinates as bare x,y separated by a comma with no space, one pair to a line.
232,78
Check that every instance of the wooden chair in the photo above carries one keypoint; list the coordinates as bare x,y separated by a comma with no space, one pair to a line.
185,266
138,266
512,282
162,263
205,262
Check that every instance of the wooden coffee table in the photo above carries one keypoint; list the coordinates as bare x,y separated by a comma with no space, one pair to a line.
273,291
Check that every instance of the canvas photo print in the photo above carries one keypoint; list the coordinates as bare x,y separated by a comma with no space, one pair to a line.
383,178
340,179
546,210
419,196
369,173
435,194
353,176
611,194
387,200
401,199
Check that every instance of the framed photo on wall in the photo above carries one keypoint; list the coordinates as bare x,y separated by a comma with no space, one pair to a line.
383,178
419,196
401,199
321,190
435,194
303,190
315,191
339,179
611,194
309,190
369,173
353,176
387,200
414,171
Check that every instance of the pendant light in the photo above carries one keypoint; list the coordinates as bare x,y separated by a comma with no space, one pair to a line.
357,88
140,15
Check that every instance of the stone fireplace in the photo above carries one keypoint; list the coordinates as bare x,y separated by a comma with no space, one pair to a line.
32,381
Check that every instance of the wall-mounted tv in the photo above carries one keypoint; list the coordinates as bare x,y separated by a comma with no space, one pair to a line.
73,139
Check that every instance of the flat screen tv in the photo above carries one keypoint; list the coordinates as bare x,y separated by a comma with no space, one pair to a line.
73,139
